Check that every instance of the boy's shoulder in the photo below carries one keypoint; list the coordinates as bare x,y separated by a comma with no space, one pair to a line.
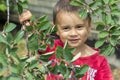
96,59
97,56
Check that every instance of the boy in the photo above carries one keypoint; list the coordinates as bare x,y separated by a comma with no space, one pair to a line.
75,30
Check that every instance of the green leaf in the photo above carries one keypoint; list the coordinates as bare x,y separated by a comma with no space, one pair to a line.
116,33
99,42
30,28
13,69
111,2
3,61
33,42
3,7
41,37
21,67
9,27
80,71
83,13
29,60
76,3
104,19
55,70
115,12
17,68
24,4
18,36
22,1
3,69
43,47
114,7
46,56
109,19
3,64
44,25
42,19
20,8
62,68
15,59
53,30
59,52
107,50
112,28
67,55
93,5
3,39
97,11
42,68
67,52
66,76
29,76
100,27
113,40
112,51
33,18
103,34
106,1
115,19
9,37
14,78
99,23
33,64
76,57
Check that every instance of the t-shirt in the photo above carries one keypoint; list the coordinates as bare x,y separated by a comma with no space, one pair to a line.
99,68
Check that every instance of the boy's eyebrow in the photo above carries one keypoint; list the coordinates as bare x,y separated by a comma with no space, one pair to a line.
64,25
69,25
79,24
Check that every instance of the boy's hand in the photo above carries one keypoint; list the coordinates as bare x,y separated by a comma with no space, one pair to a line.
24,18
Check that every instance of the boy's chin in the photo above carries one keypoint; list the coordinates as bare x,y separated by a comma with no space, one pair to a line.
73,46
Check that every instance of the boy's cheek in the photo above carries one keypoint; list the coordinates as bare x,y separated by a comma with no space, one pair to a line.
57,33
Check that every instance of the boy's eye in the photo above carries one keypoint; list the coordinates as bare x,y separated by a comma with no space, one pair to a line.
66,28
79,26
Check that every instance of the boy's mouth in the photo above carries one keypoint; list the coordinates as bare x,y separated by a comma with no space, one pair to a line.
74,40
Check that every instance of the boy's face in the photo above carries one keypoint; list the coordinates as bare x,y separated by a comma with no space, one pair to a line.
72,28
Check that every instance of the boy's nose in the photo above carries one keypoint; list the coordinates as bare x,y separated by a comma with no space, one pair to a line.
73,32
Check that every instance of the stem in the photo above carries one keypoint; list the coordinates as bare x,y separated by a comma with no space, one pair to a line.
26,37
8,10
49,32
45,66
66,43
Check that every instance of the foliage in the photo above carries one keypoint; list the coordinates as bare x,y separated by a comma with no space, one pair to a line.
2,6
29,68
38,35
14,5
105,14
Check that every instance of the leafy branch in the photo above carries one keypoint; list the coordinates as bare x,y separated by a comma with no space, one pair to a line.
107,23
40,33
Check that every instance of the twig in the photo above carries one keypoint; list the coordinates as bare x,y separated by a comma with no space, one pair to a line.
8,10
26,38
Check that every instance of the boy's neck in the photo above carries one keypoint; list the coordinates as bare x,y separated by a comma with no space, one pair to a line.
85,51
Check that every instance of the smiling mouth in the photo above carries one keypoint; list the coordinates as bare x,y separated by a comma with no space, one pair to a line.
74,40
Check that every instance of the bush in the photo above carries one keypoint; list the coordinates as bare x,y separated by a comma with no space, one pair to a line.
38,35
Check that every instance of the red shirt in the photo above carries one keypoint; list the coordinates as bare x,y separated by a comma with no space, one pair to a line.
99,68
